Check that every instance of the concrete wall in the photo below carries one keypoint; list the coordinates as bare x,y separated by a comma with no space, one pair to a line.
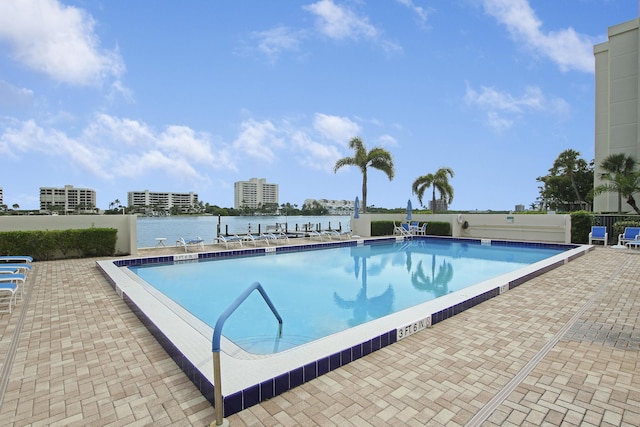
126,225
523,227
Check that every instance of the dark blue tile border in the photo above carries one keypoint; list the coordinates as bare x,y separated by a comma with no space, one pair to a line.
284,382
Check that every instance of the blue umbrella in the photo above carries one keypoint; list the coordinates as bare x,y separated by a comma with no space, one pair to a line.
356,214
409,210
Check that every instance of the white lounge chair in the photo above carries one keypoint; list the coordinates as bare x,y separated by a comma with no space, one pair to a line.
276,238
221,239
8,293
598,233
186,244
11,283
255,239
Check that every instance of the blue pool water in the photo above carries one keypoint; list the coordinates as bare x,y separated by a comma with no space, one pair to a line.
321,292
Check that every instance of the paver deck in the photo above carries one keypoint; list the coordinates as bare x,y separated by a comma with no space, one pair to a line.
561,349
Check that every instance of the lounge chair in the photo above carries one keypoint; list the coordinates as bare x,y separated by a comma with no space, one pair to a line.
12,282
16,259
317,235
401,230
8,293
14,268
197,242
630,234
276,238
598,233
255,239
221,239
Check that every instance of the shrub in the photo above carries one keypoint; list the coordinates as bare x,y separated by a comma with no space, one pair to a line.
581,222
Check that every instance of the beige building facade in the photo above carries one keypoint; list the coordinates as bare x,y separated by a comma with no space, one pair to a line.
254,193
67,199
617,103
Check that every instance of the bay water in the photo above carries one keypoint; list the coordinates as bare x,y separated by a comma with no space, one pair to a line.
172,228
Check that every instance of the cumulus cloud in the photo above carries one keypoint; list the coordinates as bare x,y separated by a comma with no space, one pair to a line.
566,47
98,149
273,42
502,108
258,139
418,10
57,40
335,128
313,154
340,23
14,97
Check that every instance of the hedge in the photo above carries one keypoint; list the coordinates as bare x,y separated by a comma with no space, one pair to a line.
44,245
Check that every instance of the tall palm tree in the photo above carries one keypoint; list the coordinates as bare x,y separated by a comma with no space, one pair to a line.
616,167
377,158
437,181
569,163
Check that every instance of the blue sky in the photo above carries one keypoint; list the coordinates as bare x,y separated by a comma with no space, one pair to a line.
186,96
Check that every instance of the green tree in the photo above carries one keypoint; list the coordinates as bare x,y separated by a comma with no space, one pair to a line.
568,163
618,170
437,181
377,158
569,184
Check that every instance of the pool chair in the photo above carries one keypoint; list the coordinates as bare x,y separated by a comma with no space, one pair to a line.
598,233
421,230
23,268
16,259
316,235
192,243
225,240
401,230
255,239
630,234
8,293
276,238
12,283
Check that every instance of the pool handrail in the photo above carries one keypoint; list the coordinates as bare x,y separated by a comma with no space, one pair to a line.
215,344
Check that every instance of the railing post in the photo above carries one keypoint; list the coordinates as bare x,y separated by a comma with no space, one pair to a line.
215,347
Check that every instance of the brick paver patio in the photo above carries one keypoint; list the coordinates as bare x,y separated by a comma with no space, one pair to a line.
561,349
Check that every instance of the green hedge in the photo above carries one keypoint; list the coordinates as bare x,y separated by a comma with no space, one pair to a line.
385,228
581,223
58,244
618,228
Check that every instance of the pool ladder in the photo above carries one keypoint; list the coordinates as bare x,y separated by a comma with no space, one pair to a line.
215,346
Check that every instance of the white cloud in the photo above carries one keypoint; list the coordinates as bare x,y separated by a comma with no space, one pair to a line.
312,154
184,142
419,10
57,40
388,141
276,40
567,48
340,23
502,108
258,139
115,130
339,129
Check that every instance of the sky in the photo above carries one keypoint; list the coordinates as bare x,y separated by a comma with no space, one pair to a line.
193,96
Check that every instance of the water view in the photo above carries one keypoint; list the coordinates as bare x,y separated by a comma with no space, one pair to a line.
205,227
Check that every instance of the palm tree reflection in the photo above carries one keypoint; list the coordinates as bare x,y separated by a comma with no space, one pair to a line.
366,308
438,284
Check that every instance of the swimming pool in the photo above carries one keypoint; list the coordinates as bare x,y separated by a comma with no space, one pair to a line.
325,291
248,379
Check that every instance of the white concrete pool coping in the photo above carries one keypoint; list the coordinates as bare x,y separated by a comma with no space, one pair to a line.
241,371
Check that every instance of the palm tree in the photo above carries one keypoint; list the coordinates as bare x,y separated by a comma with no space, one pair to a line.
438,181
617,167
377,158
569,163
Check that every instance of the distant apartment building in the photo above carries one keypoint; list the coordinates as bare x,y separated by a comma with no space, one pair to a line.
67,199
254,194
334,207
441,205
161,201
1,197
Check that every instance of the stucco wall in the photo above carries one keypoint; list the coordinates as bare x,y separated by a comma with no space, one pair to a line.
125,224
536,228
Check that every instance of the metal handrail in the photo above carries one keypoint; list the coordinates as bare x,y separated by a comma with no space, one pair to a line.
215,343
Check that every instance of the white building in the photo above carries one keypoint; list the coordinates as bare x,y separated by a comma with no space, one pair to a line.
254,193
334,207
1,197
161,201
617,99
67,199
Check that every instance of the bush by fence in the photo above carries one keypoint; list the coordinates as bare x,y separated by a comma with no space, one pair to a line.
59,244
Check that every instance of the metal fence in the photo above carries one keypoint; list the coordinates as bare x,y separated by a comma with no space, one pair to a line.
609,219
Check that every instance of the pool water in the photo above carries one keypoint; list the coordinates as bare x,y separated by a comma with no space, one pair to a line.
325,291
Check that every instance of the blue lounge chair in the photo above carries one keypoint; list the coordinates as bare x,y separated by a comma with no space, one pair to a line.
255,239
8,293
16,258
598,233
197,242
630,234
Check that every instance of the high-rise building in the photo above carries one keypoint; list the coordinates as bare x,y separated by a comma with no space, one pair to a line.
254,193
160,201
617,102
67,199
